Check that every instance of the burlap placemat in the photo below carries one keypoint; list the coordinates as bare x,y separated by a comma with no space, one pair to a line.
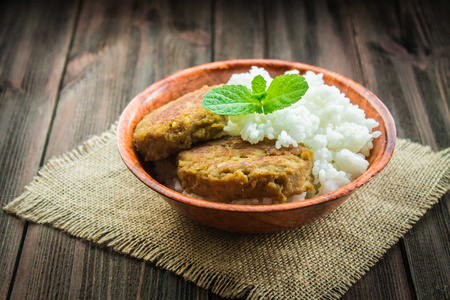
90,193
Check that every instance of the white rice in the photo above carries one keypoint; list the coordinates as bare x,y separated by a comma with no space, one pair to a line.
324,120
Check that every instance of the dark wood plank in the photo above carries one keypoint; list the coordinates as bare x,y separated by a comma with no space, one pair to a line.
316,33
427,245
120,47
321,33
406,53
238,30
34,42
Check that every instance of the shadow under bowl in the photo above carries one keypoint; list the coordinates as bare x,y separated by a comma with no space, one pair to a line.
248,218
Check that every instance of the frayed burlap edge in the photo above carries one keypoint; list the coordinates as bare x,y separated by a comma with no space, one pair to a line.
35,208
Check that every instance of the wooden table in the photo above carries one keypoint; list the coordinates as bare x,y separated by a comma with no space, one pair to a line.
68,69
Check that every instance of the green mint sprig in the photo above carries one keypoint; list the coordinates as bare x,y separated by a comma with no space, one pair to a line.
233,100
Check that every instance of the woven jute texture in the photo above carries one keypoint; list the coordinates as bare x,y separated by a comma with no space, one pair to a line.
90,194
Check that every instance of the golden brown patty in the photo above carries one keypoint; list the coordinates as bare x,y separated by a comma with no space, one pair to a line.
176,126
231,168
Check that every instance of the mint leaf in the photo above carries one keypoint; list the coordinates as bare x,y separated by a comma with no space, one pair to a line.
231,100
284,91
258,85
259,88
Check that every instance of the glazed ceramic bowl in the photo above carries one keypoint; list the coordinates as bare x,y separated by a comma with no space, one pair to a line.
248,218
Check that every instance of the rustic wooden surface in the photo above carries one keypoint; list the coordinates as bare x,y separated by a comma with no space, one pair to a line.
68,68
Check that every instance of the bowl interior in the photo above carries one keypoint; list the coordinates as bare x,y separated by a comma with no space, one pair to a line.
178,84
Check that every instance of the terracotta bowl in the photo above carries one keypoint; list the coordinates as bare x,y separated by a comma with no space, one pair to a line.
247,218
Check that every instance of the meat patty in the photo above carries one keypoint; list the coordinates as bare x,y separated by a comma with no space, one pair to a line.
231,168
176,126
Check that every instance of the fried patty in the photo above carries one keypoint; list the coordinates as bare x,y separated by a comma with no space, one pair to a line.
176,126
231,168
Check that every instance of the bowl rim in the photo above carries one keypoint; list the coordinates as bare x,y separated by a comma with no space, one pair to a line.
127,153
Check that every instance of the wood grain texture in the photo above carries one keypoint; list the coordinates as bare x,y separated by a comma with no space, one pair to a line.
428,246
319,33
399,50
239,30
34,43
404,54
330,38
118,49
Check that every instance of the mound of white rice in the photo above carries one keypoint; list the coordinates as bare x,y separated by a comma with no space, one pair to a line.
324,120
